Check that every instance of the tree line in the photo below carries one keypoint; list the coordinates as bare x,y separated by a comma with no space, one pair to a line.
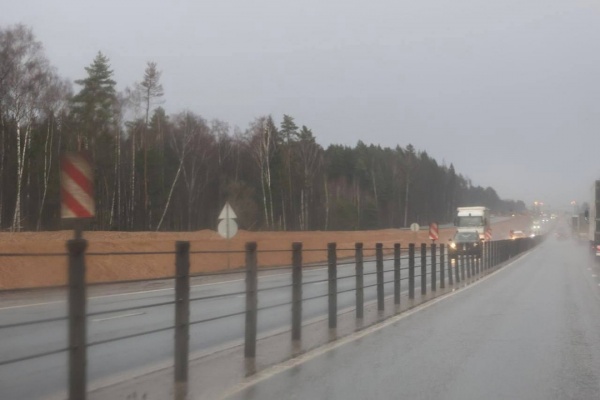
155,171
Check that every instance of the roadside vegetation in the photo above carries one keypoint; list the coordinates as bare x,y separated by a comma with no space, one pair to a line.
174,172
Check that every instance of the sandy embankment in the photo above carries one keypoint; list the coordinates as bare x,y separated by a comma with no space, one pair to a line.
39,271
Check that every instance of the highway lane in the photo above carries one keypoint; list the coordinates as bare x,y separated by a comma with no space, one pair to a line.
531,331
111,360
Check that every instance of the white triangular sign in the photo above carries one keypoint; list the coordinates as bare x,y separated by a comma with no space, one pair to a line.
227,212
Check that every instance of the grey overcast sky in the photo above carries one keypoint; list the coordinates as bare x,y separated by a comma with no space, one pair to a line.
508,90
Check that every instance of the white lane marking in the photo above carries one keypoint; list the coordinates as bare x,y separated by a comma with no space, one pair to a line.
308,356
118,316
594,275
31,305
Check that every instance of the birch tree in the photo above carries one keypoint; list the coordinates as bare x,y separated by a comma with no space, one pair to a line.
24,76
150,91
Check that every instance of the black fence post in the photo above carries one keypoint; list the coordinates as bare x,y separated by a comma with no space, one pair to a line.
456,269
462,267
433,267
182,318
379,267
296,291
468,261
77,320
251,301
397,273
450,272
411,271
360,297
332,277
442,266
423,269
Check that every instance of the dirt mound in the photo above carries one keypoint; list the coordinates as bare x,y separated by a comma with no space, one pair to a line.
209,251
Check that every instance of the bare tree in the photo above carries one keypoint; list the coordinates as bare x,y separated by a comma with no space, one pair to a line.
180,144
150,91
55,107
25,73
260,141
311,157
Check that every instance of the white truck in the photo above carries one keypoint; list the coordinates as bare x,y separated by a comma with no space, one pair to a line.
469,219
593,216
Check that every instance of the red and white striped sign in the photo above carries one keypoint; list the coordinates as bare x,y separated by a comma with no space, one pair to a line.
434,233
488,234
76,186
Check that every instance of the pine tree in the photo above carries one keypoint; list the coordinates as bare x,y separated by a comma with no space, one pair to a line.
93,106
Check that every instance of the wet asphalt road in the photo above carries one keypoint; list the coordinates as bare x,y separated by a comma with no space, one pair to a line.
530,331
120,360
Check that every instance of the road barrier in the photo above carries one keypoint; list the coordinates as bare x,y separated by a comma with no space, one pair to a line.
435,264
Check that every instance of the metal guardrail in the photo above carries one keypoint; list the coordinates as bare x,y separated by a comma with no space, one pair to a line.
430,264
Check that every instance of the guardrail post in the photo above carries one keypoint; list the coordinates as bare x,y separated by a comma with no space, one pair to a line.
442,266
497,253
468,265
332,277
411,271
488,253
77,320
397,273
450,272
379,267
360,297
296,290
182,318
251,301
433,267
456,269
423,269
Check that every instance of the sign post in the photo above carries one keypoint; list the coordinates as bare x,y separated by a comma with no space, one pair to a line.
77,204
488,234
434,233
227,227
77,190
414,227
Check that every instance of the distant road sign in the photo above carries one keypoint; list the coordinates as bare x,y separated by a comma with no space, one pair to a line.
227,228
488,234
415,227
76,186
227,212
434,233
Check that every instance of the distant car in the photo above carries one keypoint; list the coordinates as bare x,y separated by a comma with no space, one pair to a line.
467,243
561,234
517,235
